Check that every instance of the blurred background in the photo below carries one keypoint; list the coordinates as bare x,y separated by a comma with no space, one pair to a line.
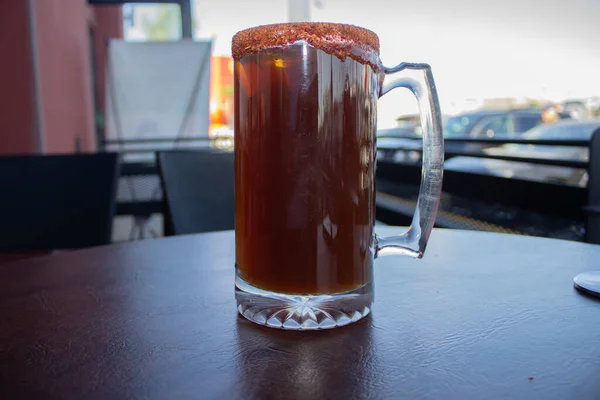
136,78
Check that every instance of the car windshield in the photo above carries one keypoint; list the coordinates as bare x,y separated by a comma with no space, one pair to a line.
573,104
461,124
581,131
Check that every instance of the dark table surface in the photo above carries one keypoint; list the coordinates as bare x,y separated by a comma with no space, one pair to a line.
481,316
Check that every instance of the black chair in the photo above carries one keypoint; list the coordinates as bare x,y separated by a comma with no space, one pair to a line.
56,202
198,190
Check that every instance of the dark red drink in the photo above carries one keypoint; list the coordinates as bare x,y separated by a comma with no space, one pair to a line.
304,147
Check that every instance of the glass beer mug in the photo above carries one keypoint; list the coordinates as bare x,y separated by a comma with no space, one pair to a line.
305,120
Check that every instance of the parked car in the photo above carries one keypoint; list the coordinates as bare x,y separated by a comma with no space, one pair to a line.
502,124
562,130
575,108
403,136
403,130
478,124
554,112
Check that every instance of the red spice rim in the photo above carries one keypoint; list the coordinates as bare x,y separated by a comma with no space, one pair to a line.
341,40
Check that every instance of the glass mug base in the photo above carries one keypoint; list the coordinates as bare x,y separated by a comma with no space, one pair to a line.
302,312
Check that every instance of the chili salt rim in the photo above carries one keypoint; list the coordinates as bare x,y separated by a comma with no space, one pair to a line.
340,40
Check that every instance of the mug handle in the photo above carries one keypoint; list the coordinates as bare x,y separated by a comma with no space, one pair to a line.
419,80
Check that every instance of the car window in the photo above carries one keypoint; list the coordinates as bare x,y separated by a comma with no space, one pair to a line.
457,126
491,126
461,124
526,122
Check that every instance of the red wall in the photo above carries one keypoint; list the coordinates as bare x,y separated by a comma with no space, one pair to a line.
108,25
65,74
62,32
17,112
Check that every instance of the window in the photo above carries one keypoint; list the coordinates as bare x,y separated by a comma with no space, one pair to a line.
526,122
151,22
491,126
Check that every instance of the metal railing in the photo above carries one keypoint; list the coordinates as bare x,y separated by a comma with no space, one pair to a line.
501,141
108,142
152,145
492,142
581,203
578,202
592,209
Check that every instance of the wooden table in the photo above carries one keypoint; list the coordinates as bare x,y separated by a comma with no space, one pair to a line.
481,316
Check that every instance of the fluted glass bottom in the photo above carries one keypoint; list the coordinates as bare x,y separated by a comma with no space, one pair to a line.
302,312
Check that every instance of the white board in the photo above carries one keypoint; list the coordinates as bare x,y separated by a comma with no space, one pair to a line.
157,90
